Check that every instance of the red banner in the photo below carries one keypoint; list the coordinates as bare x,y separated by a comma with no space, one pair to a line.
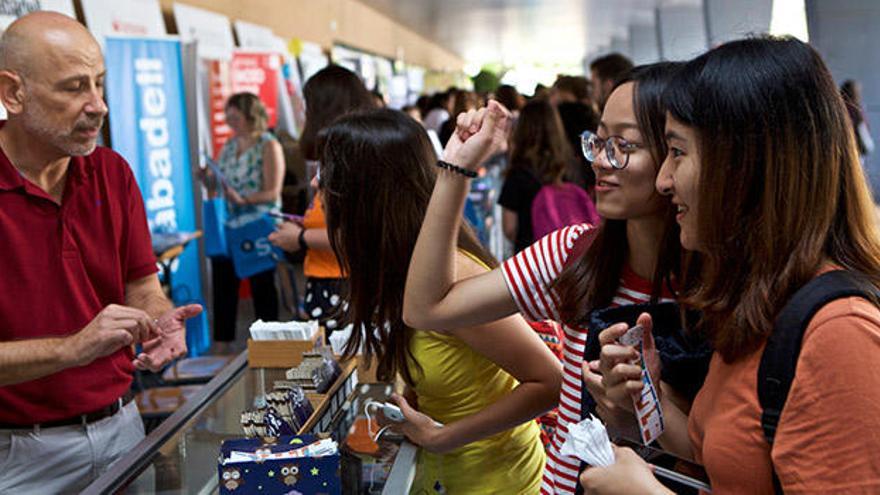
252,72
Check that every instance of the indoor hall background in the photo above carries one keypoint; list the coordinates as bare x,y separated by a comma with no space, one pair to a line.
845,32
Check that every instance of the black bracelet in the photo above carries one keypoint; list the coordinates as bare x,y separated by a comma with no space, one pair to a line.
302,240
455,168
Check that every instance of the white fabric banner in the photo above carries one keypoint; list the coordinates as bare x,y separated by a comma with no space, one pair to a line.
141,18
213,31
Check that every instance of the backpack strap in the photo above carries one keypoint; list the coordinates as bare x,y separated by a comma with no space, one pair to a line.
779,360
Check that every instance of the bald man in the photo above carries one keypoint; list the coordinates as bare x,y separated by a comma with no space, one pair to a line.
79,284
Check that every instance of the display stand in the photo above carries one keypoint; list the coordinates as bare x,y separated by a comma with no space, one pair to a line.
327,405
180,455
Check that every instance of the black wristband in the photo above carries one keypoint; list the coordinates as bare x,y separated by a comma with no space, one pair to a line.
302,240
455,168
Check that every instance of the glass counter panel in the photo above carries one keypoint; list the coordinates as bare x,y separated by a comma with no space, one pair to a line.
181,455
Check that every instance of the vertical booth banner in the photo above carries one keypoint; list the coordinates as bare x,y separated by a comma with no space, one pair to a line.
252,72
148,126
219,90
291,109
123,18
257,72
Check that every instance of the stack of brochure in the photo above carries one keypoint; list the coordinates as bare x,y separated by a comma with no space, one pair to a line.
277,330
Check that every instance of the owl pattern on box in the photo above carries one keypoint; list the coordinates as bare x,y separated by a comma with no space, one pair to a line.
290,474
273,476
232,478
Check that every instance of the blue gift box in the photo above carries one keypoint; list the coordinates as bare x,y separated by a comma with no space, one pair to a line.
299,476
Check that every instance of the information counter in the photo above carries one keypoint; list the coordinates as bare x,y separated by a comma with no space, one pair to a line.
181,454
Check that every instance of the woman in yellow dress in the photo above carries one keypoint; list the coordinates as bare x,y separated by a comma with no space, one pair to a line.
483,385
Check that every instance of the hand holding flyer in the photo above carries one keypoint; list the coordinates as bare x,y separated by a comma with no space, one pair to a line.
647,405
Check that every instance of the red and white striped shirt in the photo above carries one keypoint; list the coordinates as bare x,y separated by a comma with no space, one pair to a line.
529,275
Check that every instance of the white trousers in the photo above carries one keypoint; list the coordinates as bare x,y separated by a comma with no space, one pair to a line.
66,459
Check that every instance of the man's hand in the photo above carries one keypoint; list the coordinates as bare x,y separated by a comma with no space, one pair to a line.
171,342
478,134
112,329
286,236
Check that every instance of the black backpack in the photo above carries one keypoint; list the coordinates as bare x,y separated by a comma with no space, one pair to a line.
779,360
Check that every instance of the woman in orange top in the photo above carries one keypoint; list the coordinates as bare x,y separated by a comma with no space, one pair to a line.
332,92
770,192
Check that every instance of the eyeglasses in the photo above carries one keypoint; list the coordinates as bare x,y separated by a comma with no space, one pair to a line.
616,149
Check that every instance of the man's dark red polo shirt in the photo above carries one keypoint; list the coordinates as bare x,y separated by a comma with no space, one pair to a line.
60,265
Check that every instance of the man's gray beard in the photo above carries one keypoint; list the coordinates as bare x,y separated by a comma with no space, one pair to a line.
35,123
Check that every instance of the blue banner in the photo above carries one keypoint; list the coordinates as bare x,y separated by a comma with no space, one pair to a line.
148,126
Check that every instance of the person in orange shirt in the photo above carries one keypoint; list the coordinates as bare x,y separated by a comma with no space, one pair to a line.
324,280
332,92
769,189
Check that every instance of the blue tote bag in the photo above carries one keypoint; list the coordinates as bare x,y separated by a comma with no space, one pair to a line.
215,214
248,239
214,217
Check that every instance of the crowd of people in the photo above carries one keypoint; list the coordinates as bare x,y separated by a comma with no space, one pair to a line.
705,170
725,187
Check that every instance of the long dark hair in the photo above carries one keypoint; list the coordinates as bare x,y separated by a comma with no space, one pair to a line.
333,91
852,97
377,174
591,281
538,144
781,190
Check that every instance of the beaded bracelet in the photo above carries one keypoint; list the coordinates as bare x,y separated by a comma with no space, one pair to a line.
455,168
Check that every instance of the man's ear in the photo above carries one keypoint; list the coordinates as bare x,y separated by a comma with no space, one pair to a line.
11,92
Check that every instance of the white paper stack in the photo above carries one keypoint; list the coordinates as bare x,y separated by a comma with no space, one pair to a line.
339,338
321,448
289,330
589,442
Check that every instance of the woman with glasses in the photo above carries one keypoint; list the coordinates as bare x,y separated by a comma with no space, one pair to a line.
631,257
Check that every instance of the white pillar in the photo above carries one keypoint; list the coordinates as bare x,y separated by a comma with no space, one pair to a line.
643,43
620,45
728,20
845,33
682,31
